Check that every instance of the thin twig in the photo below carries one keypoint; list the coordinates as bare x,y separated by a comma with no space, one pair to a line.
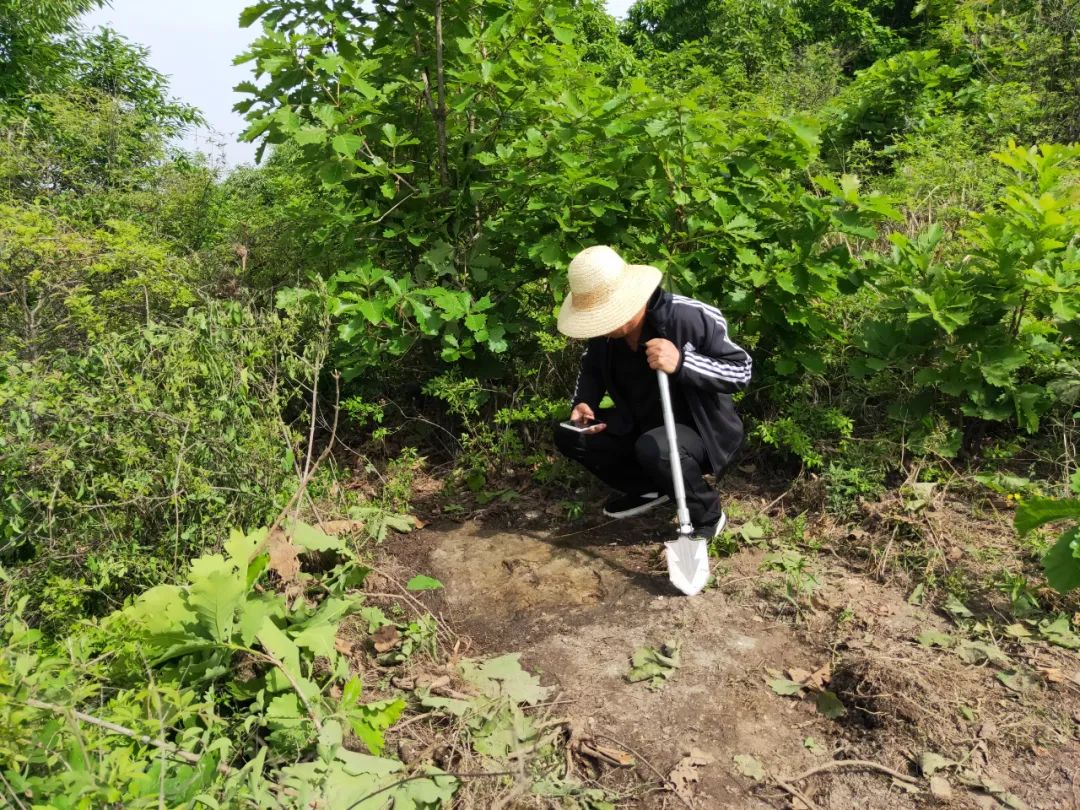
774,502
667,782
433,777
179,753
11,790
308,474
855,763
295,685
795,792
448,636
586,529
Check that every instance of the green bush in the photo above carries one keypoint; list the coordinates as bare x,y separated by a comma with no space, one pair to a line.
226,693
989,337
119,461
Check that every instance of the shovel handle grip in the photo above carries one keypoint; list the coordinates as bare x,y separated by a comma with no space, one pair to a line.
674,455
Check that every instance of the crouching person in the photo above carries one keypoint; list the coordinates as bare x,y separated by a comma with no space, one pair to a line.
633,328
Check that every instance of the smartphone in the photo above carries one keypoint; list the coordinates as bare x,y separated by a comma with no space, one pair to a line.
591,427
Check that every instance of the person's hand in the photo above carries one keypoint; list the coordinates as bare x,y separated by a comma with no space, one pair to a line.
662,355
582,413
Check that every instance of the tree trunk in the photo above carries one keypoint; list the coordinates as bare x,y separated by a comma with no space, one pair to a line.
440,107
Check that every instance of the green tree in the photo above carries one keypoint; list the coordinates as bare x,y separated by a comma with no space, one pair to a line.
32,53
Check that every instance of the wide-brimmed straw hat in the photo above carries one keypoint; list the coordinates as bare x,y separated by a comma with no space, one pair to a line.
605,292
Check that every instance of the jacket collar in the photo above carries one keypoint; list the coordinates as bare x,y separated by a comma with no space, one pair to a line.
656,310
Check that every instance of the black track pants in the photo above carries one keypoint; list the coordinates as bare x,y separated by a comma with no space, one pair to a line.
640,463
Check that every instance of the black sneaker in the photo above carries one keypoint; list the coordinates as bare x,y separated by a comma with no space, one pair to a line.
712,531
624,506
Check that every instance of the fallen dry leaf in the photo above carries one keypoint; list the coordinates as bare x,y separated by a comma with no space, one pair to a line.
284,557
821,676
799,675
814,680
1052,674
749,765
386,638
341,526
685,774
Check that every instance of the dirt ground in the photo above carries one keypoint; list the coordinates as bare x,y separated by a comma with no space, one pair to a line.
577,598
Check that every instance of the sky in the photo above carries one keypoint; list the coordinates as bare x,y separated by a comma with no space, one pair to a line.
193,42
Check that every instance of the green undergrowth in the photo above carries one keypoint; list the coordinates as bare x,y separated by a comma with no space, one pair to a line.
265,679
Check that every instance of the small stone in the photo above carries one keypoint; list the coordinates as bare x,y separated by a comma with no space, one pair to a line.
408,751
940,788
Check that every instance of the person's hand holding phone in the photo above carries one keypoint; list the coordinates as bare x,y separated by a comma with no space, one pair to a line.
582,415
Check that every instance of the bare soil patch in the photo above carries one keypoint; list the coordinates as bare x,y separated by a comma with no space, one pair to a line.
576,602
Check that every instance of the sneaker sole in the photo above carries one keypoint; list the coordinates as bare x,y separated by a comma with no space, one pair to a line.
638,510
720,524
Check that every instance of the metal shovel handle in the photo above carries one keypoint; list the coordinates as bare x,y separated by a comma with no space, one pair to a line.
674,454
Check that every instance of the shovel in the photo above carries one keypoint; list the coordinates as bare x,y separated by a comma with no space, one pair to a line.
687,558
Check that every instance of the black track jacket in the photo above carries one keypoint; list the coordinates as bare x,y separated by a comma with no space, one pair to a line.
711,368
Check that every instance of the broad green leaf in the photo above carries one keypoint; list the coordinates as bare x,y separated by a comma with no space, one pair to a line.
423,583
503,677
783,686
399,523
829,705
240,546
1036,512
284,712
563,33
310,135
374,617
216,599
935,638
250,15
162,609
310,538
957,609
980,652
330,739
351,691
454,706
254,611
1062,562
654,666
1017,630
319,638
1060,632
368,722
348,145
287,654
1020,680
330,63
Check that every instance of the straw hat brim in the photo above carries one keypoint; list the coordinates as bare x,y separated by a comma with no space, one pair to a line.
637,283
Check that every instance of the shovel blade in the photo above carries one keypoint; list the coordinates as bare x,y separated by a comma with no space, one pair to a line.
688,564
